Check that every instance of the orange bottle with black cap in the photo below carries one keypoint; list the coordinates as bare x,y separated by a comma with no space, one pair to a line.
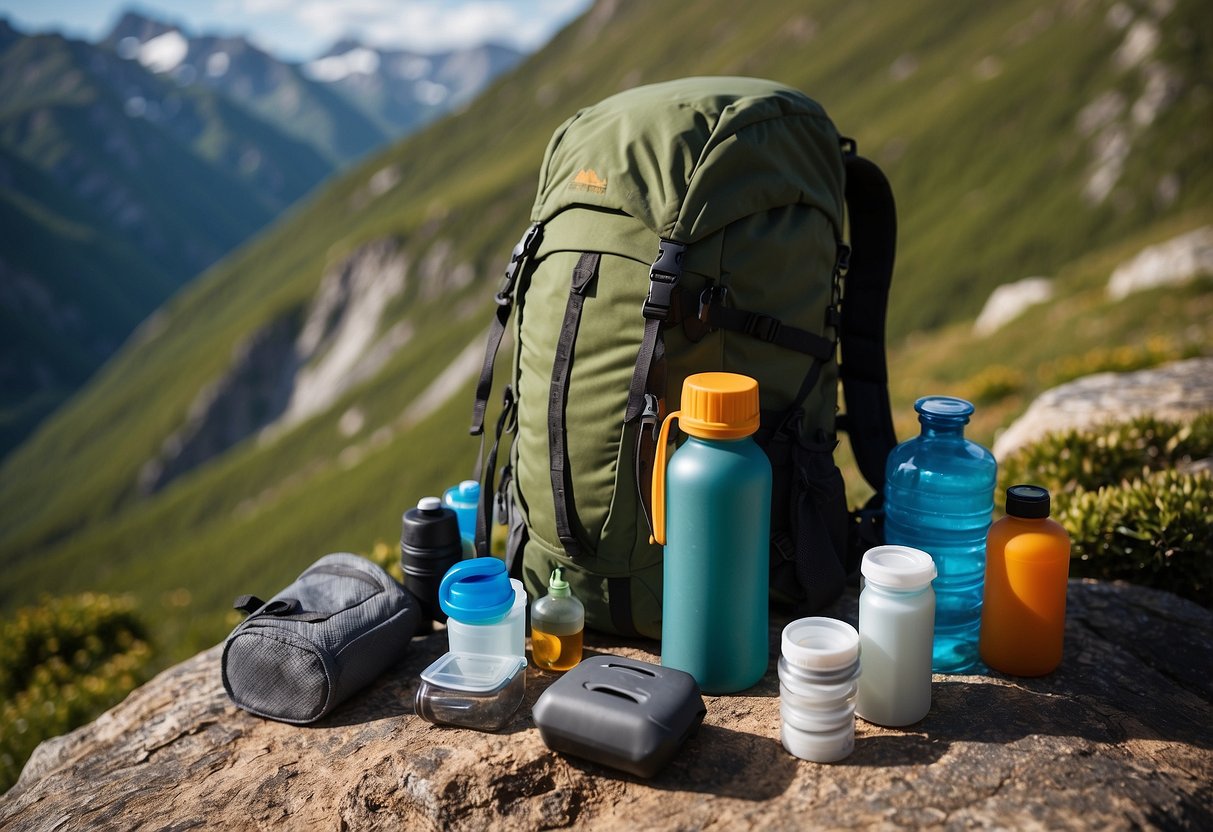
1023,615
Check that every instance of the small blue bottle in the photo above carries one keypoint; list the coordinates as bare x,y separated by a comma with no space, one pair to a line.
939,497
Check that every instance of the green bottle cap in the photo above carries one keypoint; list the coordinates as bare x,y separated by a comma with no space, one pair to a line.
558,587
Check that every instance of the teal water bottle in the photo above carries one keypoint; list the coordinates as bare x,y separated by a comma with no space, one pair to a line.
712,512
939,497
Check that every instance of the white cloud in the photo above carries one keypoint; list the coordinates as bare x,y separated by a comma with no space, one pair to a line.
424,25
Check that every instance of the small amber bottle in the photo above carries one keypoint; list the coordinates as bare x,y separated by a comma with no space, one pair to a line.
557,624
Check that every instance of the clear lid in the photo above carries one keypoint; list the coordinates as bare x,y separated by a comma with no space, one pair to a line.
473,672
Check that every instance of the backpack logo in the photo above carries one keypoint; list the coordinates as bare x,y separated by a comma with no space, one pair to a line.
588,180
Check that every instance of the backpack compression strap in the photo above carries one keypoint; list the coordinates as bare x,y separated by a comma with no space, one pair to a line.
863,367
525,249
558,399
647,390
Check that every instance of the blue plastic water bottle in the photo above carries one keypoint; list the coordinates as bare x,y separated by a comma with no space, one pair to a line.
464,499
712,512
939,497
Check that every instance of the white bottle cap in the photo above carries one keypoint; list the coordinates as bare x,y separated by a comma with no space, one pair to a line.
429,504
898,567
820,644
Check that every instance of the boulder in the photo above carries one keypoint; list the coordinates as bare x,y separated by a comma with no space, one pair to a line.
1009,301
1170,263
1177,391
1121,736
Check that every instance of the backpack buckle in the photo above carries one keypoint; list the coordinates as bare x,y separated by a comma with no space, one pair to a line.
843,262
525,248
763,327
663,277
784,547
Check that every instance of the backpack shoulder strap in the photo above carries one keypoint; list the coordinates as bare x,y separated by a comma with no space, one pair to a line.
863,367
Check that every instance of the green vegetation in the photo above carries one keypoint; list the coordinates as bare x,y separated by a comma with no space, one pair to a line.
1154,530
1088,460
970,108
1130,513
61,663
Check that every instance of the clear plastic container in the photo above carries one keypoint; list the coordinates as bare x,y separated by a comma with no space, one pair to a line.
818,681
486,609
505,637
471,690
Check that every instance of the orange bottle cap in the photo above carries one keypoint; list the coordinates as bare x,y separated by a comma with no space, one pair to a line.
719,406
714,406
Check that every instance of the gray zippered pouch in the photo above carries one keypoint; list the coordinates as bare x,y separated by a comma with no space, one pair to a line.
327,635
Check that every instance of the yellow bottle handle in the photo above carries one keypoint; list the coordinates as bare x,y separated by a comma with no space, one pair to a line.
658,495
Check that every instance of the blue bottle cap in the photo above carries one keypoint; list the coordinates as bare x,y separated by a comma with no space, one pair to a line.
463,496
944,408
476,591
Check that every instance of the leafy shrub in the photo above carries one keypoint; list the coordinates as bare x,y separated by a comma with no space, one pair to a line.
1156,531
1130,514
1091,459
61,663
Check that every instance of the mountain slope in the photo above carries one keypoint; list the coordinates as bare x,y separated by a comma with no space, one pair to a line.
116,188
401,89
1019,139
271,89
346,102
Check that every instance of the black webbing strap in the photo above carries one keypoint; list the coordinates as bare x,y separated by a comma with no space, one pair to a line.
619,602
663,280
558,397
763,327
864,368
647,389
505,303
484,511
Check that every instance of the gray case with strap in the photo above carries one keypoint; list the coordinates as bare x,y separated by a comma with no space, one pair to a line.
324,637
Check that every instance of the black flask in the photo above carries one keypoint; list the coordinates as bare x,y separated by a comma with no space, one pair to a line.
429,546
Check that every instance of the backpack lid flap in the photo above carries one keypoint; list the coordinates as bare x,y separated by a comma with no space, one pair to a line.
688,157
610,232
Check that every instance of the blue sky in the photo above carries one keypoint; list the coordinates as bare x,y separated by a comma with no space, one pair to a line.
300,29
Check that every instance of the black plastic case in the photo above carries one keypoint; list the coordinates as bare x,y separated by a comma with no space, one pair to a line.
618,712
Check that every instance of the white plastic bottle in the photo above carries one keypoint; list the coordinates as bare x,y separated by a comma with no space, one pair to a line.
896,629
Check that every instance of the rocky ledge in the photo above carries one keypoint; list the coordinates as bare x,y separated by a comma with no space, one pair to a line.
1121,736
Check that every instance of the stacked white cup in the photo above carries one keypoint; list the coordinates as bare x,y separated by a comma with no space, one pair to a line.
818,680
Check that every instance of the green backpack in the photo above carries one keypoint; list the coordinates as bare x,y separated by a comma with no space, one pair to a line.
681,227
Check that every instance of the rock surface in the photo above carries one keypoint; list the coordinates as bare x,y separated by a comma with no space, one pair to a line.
1121,736
1170,263
1178,391
1009,301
